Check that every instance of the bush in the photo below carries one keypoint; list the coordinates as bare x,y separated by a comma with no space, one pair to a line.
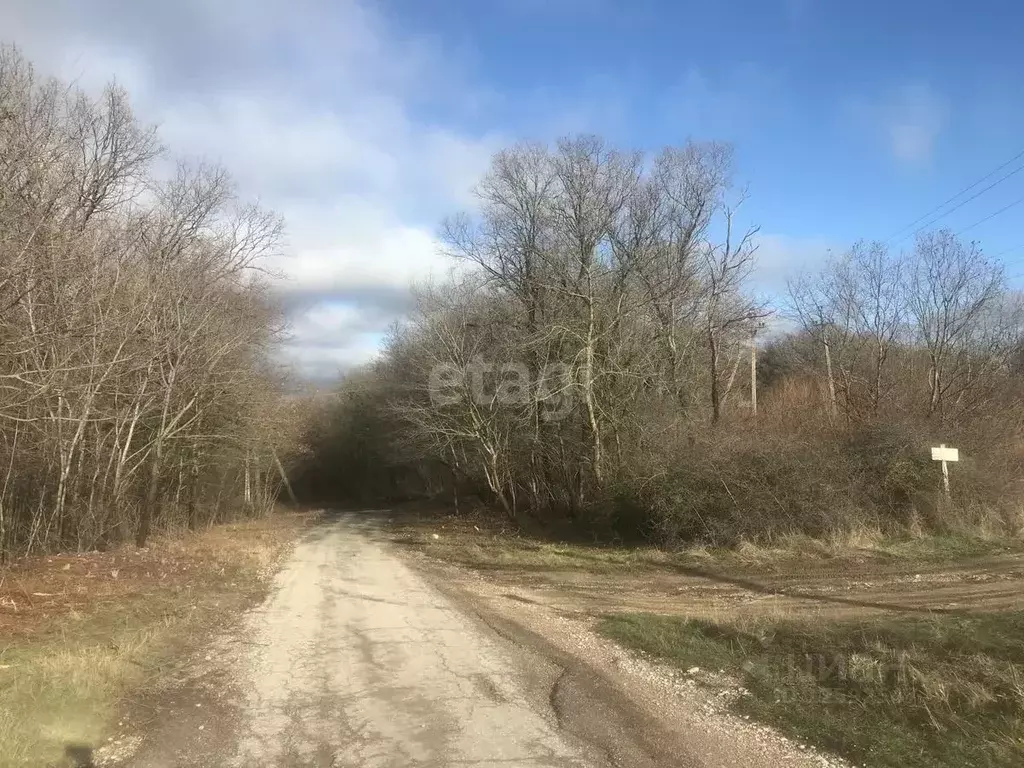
747,483
747,486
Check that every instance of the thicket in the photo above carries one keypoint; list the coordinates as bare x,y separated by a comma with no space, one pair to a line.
135,392
590,363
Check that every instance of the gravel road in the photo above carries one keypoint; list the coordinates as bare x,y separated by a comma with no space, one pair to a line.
359,658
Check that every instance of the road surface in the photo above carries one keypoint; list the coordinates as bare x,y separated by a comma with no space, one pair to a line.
357,662
358,659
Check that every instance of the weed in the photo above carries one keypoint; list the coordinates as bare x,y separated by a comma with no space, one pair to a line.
100,626
908,692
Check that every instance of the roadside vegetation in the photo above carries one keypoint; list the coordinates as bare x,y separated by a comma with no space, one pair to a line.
905,692
890,652
138,403
82,635
480,544
136,394
600,369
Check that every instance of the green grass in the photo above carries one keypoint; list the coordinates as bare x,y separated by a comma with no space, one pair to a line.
522,554
66,688
901,692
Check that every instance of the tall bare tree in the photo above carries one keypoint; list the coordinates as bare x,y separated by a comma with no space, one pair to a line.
134,332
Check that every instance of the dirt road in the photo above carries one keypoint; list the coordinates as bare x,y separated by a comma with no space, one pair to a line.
360,659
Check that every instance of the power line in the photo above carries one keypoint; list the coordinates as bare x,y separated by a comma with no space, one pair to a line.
1008,250
991,216
963,191
961,204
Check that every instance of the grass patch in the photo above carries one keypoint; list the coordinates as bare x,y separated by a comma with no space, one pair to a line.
474,545
799,552
518,554
81,632
906,693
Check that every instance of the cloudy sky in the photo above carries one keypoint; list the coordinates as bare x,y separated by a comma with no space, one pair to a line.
365,123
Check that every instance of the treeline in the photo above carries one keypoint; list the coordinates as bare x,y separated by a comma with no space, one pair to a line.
134,328
593,362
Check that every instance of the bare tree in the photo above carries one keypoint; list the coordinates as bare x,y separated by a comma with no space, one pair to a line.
820,303
726,268
856,308
134,335
953,289
875,284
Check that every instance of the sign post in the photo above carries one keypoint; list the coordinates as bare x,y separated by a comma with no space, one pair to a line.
944,454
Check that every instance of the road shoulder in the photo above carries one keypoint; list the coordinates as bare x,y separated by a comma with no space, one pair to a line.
636,711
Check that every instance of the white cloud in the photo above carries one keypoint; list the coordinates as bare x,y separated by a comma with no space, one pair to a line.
910,120
315,107
330,337
348,243
781,257
914,122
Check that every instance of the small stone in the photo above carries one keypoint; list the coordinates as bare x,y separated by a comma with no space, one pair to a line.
693,670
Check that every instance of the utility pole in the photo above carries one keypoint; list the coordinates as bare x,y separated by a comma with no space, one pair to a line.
753,376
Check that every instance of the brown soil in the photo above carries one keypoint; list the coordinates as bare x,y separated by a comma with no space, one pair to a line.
846,587
995,584
36,592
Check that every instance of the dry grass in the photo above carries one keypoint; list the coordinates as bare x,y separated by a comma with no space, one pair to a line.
478,544
919,692
79,632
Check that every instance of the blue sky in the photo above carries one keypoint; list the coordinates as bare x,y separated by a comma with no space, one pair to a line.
850,119
366,122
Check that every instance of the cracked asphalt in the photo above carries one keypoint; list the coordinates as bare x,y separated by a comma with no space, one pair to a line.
356,661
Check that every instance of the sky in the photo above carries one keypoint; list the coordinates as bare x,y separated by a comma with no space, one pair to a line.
365,123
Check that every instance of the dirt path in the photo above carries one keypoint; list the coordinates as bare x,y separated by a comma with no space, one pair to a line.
358,659
990,584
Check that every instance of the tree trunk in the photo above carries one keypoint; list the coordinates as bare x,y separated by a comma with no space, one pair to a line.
193,492
152,493
588,397
832,404
732,378
876,395
248,482
935,388
716,397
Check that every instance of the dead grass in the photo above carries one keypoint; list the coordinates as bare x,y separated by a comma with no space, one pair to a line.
79,632
921,692
478,544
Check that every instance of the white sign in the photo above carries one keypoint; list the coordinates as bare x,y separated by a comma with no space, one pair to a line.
944,454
